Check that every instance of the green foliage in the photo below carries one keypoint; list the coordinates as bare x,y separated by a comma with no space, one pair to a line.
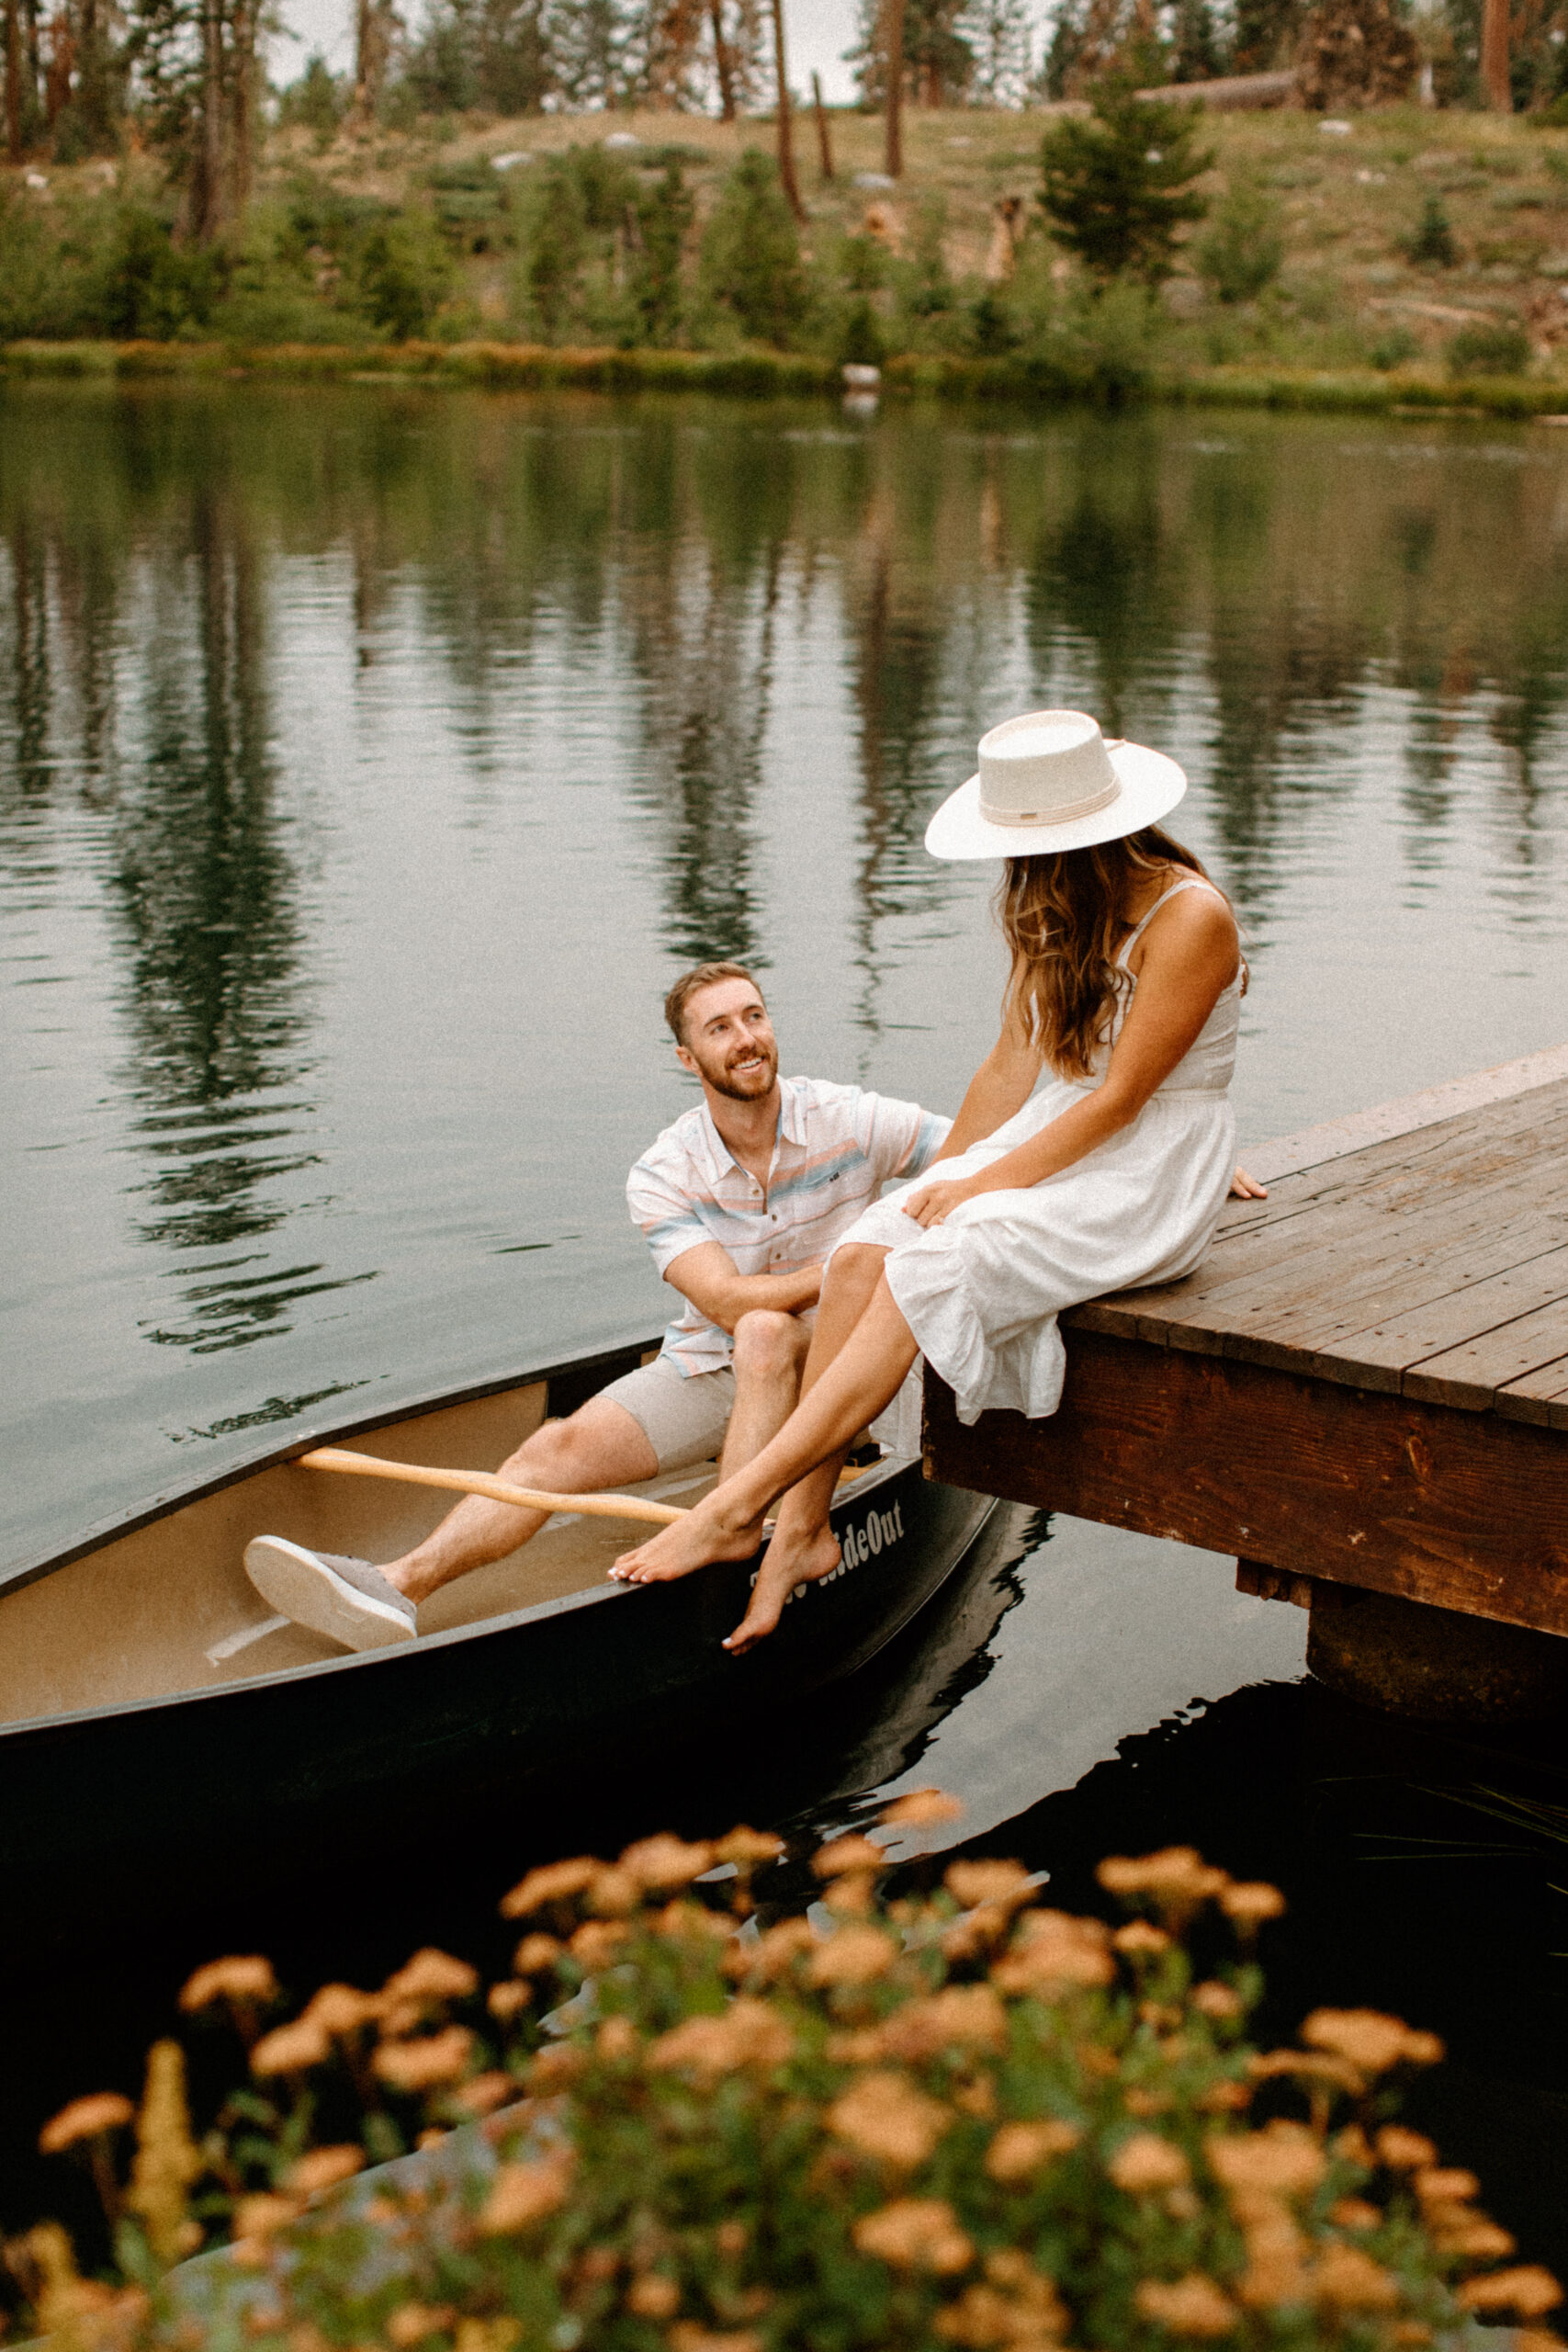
925,285
1489,350
958,2118
1244,247
663,217
1432,239
860,338
556,246
1117,190
1393,350
405,273
750,254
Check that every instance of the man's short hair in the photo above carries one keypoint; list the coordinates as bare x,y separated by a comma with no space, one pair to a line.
700,976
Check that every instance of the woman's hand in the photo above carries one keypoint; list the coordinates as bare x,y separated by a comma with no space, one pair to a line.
933,1204
1247,1188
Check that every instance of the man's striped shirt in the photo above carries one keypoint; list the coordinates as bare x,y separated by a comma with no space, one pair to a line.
837,1146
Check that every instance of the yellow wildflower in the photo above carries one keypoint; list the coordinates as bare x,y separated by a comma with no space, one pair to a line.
1444,2184
498,2334
1354,2213
885,2116
258,2217
613,1892
1189,2306
522,2194
652,2296
412,2323
553,1883
483,2094
1141,1936
1470,2235
167,2159
1529,2290
1249,1902
1019,2150
773,1952
850,1853
1348,2277
617,2041
916,2233
1402,2151
685,2338
960,2017
505,2000
1177,1877
84,2118
1215,2001
746,1847
972,1884
664,1862
596,1942
1282,2160
536,1953
555,2068
1148,2162
1052,1951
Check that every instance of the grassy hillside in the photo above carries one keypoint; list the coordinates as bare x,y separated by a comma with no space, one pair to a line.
1349,209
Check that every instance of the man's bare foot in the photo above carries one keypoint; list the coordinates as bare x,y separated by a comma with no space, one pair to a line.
704,1536
787,1562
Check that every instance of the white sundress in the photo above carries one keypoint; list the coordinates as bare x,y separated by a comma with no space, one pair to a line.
982,1291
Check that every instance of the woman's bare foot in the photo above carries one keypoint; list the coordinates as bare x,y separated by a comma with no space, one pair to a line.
704,1536
788,1561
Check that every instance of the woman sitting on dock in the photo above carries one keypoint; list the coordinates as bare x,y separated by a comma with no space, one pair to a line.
1093,1152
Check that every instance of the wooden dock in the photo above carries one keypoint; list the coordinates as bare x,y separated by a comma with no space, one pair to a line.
1362,1391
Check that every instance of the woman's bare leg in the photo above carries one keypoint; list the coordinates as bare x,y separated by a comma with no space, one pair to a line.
861,1382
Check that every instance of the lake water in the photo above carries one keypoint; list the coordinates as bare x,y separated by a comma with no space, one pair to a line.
369,761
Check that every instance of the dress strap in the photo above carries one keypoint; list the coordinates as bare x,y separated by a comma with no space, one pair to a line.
1187,882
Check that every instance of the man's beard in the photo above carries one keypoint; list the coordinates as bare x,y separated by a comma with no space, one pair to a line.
752,1088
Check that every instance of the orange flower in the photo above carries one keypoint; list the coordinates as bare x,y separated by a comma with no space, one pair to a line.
1371,2039
412,2323
972,1884
663,1863
1215,2001
1019,2150
685,2338
1251,1901
916,2233
850,1853
420,2065
1052,1951
854,1955
483,2094
617,2041
522,2194
83,2120
341,2009
243,1978
504,2001
613,1892
1147,2162
1354,2213
1471,2234
290,2049
1444,2184
1177,1877
921,1809
257,2218
535,1954
1402,2151
747,2034
1141,1936
554,1883
885,2116
596,1942
745,1848
1189,2306
964,2017
321,2169
555,2068
432,1975
1529,2290
652,2296
773,1951
1283,2160
1348,2277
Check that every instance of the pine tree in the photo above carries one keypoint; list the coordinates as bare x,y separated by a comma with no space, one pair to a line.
1117,189
996,33
750,260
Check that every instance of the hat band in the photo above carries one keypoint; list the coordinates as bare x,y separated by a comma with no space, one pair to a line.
1063,814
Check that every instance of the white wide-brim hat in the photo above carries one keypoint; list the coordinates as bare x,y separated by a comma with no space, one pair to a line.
1050,781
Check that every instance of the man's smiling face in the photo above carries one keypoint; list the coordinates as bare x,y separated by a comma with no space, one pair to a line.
730,1041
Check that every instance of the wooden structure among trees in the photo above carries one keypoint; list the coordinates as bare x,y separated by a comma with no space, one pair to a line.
1363,1391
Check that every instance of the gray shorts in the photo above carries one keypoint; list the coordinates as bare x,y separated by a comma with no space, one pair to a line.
683,1416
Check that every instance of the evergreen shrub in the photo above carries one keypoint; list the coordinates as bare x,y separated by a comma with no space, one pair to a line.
1244,248
751,265
1489,350
682,2123
1117,189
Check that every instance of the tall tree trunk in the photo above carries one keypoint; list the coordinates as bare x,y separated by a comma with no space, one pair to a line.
13,81
786,128
241,103
208,209
372,48
724,63
824,145
1494,57
893,59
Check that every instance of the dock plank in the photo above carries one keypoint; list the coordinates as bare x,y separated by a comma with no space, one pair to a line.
1470,1376
1334,1138
1540,1397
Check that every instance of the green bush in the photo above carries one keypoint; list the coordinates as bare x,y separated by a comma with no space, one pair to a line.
1432,239
1489,350
1244,248
956,2118
1117,190
405,273
750,254
1393,349
317,101
663,216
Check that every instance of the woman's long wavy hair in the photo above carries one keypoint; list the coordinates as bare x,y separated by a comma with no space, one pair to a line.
1064,916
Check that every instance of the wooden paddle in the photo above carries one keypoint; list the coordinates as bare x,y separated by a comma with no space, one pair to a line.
480,1482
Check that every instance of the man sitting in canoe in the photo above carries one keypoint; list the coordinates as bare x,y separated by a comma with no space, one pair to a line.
741,1200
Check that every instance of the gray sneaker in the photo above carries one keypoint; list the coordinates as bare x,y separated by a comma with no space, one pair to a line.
348,1601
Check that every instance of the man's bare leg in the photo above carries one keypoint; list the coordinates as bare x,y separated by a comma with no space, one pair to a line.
598,1446
769,1351
861,1382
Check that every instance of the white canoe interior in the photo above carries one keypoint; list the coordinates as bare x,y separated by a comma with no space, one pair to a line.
170,1608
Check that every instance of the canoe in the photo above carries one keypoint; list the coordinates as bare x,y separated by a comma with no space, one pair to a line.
146,1697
